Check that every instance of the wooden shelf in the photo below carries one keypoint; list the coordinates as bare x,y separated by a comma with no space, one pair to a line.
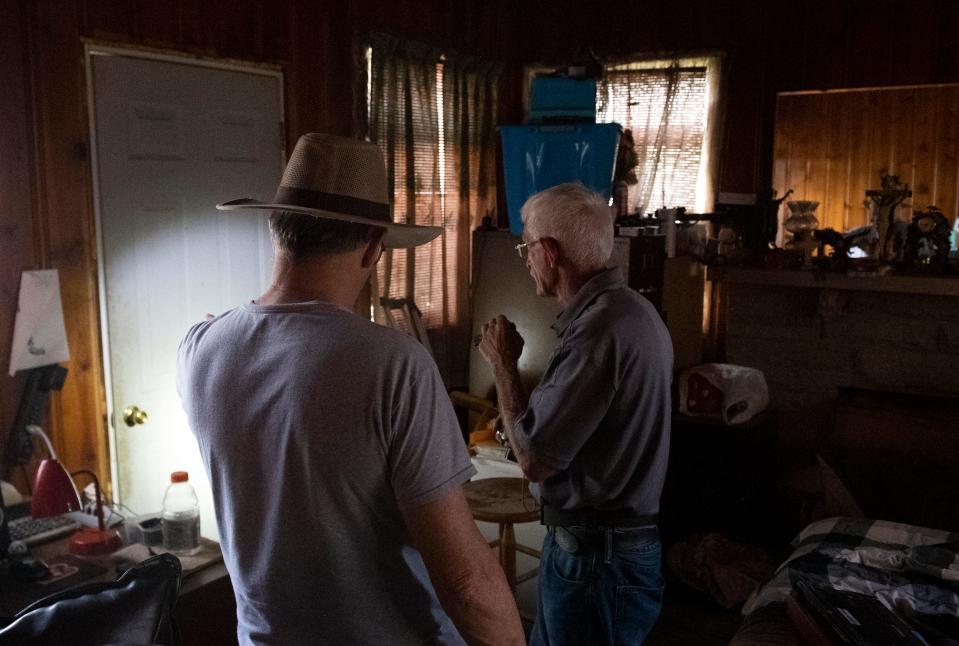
929,285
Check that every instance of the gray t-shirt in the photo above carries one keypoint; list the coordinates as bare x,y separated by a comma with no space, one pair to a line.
601,413
316,428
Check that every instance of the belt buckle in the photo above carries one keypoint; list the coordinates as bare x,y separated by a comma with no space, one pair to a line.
566,540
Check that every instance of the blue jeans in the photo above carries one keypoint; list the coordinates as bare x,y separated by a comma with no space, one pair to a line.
597,595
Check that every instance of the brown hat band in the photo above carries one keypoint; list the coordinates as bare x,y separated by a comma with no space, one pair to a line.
332,202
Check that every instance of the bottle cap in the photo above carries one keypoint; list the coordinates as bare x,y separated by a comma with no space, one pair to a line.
179,476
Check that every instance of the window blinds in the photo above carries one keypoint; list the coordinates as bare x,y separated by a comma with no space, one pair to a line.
666,110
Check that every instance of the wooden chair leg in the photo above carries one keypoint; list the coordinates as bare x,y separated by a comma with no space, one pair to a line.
507,554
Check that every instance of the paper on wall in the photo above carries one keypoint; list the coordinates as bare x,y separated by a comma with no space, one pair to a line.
39,334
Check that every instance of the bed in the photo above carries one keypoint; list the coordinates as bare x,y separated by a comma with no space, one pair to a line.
914,570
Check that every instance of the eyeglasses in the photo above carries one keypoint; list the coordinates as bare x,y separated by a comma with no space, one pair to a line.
523,248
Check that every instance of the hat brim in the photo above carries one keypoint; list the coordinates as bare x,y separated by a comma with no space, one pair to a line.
398,235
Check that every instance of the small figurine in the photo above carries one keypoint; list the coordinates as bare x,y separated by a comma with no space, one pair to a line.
624,174
927,242
885,203
844,245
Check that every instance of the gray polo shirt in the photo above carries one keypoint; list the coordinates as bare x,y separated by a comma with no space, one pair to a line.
601,413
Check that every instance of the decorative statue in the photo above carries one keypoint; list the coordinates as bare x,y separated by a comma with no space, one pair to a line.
802,222
862,238
885,205
770,218
624,174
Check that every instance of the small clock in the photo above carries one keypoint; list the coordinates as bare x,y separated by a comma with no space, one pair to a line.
928,223
927,242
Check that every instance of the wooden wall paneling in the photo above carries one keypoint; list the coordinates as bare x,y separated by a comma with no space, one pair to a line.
947,41
869,43
924,150
816,149
276,30
825,24
745,158
806,119
947,153
909,132
19,240
781,152
773,46
859,131
835,208
340,72
78,411
879,107
201,26
158,24
903,129
307,108
764,42
242,29
110,19
914,41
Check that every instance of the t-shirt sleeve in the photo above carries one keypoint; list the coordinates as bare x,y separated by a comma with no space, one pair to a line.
184,359
427,454
565,408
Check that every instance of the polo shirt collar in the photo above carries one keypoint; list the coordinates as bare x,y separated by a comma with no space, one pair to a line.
602,282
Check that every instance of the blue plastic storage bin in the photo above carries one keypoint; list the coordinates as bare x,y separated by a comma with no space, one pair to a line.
538,157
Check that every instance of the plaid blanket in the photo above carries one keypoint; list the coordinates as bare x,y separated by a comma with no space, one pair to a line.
897,563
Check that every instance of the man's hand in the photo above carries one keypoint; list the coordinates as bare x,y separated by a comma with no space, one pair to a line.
501,344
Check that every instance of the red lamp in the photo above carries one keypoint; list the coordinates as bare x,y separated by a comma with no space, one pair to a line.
54,493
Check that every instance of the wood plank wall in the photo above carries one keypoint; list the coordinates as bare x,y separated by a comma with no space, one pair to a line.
770,46
833,146
46,210
45,206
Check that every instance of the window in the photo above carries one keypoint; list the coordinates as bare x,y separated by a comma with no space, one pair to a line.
669,106
433,114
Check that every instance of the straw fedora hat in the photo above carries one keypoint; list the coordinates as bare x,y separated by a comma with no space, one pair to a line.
337,178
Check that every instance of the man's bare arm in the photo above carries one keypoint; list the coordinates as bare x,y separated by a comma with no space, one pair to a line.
468,580
501,346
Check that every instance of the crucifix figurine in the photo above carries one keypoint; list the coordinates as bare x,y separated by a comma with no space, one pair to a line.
885,204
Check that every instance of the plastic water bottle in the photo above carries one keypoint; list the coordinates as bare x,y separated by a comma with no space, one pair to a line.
181,516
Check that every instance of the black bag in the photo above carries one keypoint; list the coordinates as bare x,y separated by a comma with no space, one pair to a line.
137,608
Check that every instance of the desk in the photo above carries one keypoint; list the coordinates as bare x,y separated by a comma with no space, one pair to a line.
205,612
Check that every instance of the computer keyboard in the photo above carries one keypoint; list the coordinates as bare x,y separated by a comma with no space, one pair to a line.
40,530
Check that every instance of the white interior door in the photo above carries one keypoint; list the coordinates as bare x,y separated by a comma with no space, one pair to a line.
172,140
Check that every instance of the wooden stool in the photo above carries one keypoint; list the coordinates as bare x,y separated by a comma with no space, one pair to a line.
504,501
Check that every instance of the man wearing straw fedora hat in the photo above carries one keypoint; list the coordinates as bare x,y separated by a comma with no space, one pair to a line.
335,458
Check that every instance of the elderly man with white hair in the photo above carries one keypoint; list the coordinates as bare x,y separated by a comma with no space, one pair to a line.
593,436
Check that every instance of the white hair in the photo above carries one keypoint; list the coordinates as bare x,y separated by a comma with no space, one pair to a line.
578,218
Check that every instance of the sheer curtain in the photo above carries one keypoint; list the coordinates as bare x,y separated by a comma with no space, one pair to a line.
433,114
670,107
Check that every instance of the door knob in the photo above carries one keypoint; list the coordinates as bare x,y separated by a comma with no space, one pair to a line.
132,416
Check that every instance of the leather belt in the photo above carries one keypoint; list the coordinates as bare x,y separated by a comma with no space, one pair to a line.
609,540
556,517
